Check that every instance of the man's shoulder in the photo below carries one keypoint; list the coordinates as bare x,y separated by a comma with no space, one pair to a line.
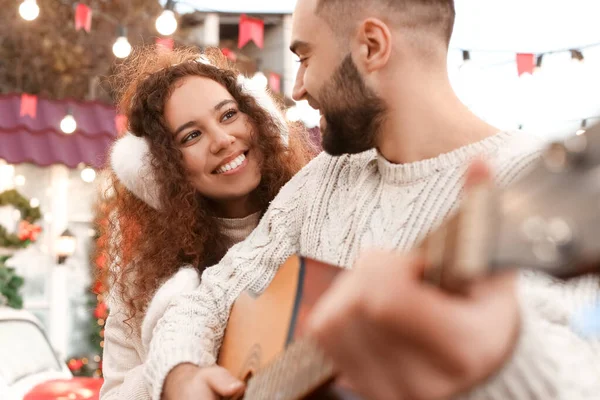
518,156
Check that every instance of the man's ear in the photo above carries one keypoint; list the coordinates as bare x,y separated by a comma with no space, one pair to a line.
374,44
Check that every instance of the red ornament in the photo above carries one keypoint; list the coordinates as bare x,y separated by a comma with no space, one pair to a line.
28,105
83,17
101,311
98,288
28,231
251,29
525,64
101,261
75,365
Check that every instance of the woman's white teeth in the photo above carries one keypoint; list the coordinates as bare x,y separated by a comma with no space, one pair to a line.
232,164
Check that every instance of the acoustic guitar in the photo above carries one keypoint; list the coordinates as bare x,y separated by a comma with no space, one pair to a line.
549,221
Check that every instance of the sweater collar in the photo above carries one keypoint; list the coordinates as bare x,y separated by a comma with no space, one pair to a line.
418,170
237,229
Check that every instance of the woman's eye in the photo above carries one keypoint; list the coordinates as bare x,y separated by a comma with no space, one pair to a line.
190,136
229,114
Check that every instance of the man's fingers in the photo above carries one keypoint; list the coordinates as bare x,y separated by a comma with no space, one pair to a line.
222,382
477,173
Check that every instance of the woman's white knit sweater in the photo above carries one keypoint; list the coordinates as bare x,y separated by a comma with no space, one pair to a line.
125,349
336,207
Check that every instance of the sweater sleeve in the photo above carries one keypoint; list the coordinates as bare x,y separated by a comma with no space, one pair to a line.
122,366
551,361
192,328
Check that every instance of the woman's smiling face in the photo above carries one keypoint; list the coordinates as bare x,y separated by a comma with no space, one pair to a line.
216,139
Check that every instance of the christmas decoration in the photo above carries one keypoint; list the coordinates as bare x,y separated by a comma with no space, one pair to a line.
28,105
91,363
27,231
83,17
525,63
10,285
251,29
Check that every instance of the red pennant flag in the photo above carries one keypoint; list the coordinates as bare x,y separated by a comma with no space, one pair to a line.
275,82
251,29
229,54
121,124
165,44
28,105
83,17
525,63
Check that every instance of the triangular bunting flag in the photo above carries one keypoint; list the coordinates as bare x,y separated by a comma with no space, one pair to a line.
28,105
83,17
251,29
525,63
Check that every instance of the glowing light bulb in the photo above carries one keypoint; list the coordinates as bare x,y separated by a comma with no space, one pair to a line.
88,175
166,23
29,10
68,124
121,48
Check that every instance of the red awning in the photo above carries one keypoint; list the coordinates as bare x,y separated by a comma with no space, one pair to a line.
40,141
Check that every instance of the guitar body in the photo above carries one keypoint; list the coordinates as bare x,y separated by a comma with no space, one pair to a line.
261,328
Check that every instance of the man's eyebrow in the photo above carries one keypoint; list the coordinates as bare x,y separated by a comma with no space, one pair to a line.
298,45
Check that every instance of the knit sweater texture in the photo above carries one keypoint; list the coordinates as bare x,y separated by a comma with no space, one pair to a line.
126,346
338,206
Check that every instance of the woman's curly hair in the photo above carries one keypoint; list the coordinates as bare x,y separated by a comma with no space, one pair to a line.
143,246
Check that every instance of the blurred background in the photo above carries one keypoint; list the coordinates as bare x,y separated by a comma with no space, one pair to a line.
519,64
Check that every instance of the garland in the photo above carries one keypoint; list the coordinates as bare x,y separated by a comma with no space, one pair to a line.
28,232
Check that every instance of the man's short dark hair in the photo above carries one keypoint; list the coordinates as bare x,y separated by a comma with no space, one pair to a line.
429,16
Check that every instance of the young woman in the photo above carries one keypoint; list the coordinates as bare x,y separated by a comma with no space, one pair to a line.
207,153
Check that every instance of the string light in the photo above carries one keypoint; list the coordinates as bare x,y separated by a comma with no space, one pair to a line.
121,48
88,175
166,23
68,124
34,202
29,10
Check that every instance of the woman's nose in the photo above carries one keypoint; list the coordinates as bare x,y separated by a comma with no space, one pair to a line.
221,140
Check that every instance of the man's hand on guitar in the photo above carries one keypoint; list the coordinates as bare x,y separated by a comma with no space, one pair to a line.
187,381
392,336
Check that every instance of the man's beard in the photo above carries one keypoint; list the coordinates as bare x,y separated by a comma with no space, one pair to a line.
353,112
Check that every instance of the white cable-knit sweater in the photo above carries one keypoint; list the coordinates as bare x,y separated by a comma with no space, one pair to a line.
125,349
337,206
